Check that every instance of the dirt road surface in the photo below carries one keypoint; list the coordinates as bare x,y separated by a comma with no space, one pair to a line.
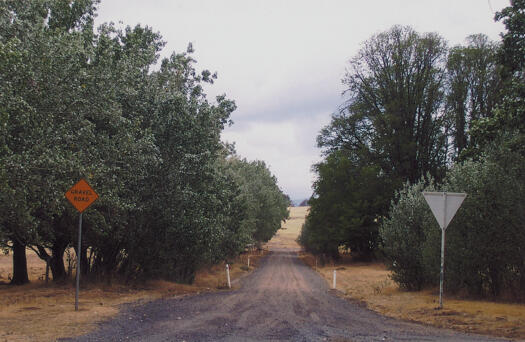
283,300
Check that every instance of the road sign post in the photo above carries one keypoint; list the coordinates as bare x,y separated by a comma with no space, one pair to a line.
78,260
81,195
444,206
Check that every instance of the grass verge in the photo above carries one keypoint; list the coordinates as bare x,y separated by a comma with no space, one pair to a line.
40,312
370,284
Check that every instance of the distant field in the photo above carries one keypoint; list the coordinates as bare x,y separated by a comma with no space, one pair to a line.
286,236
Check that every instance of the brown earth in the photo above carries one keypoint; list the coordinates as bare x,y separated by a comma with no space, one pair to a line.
40,312
283,300
371,284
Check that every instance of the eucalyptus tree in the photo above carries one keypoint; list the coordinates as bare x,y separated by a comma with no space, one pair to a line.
391,130
509,116
394,109
473,87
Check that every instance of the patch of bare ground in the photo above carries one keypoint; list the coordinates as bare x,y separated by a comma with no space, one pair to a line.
370,284
45,312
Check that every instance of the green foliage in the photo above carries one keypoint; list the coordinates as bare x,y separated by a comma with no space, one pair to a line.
389,132
265,206
79,103
486,239
484,247
473,89
346,208
512,56
509,116
393,115
394,130
407,236
48,135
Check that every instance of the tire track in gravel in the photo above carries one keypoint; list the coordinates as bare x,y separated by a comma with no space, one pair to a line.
282,300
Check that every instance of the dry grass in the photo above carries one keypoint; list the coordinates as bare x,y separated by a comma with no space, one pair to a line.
286,236
40,312
36,312
35,267
371,285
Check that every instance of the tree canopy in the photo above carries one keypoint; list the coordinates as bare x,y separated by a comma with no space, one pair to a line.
422,116
79,102
390,130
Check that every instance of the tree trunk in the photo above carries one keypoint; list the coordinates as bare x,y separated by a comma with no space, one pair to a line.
84,262
521,290
20,276
56,263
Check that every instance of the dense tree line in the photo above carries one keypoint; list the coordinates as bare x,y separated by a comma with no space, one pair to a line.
423,116
79,102
390,130
262,200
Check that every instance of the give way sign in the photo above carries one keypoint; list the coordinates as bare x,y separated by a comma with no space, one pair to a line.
444,205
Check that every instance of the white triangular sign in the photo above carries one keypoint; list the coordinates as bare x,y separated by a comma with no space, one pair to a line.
438,201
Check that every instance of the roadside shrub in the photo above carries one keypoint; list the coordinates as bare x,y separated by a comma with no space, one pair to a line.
404,235
484,242
485,254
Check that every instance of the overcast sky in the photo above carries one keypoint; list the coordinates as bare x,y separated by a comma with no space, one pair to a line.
282,61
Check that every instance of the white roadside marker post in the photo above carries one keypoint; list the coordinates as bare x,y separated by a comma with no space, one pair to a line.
248,261
444,206
334,280
228,276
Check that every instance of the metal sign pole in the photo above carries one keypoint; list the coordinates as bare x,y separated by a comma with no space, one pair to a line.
442,273
78,260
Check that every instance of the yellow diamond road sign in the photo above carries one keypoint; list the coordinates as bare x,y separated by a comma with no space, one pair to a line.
81,195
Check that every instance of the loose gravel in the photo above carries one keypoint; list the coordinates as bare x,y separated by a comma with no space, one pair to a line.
282,300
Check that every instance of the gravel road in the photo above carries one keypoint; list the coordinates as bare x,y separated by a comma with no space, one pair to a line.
283,300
